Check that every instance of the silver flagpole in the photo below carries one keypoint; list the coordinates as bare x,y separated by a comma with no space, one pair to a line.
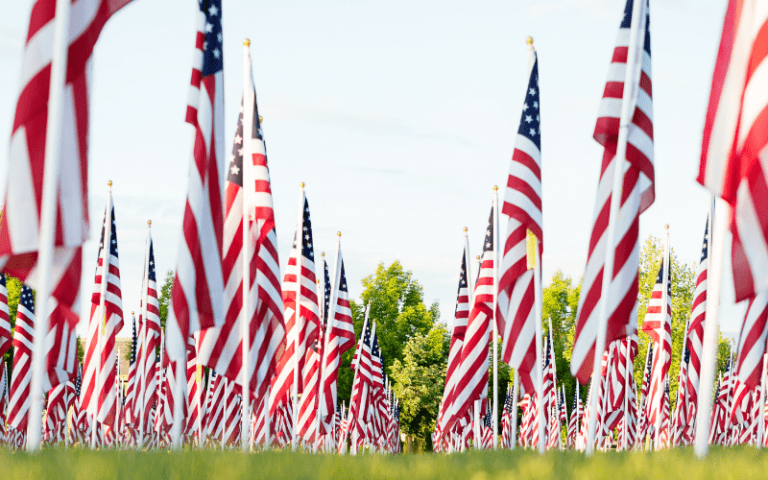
633,70
248,122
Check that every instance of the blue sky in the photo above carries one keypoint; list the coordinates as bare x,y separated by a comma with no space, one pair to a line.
399,116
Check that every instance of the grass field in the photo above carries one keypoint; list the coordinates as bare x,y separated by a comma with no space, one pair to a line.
736,463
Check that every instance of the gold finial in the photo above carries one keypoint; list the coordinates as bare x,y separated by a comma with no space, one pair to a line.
495,188
149,222
529,40
302,185
338,234
317,281
666,227
109,183
247,42
477,257
131,313
322,254
465,229
261,119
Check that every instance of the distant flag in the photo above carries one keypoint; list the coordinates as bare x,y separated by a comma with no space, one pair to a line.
198,286
5,319
695,335
3,403
23,338
734,141
149,340
751,346
638,194
130,411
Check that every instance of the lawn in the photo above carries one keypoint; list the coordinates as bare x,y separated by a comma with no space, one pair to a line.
737,463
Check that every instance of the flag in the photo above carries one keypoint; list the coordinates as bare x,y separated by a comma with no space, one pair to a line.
734,140
340,337
98,393
522,204
361,385
637,195
5,320
130,394
20,228
23,339
472,383
446,416
301,329
751,346
198,285
149,340
658,326
3,403
695,334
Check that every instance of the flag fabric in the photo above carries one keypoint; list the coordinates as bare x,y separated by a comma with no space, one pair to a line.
20,228
734,140
658,326
340,337
695,334
301,328
129,412
751,346
6,339
23,339
446,416
637,195
680,415
472,382
198,285
361,385
149,340
98,393
522,204
573,424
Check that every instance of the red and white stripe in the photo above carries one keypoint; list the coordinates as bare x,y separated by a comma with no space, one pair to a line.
23,339
4,403
20,229
637,195
149,340
522,204
733,163
340,337
5,320
198,287
472,381
461,314
751,346
695,334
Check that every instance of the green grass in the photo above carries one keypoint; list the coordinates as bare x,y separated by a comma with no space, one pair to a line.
736,463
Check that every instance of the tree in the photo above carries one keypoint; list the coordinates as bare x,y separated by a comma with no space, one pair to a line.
397,307
13,285
418,381
560,300
165,296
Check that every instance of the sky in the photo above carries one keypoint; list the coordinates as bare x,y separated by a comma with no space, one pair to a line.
399,117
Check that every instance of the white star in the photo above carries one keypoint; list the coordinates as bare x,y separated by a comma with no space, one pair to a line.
536,105
525,106
532,91
528,119
216,53
538,119
238,139
219,37
240,151
205,46
208,27
533,131
213,11
234,170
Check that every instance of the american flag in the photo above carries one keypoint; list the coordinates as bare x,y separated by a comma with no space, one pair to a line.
444,419
573,424
637,195
548,387
194,389
130,411
472,383
658,326
664,436
3,403
377,402
734,139
340,337
359,404
695,334
506,419
486,431
23,338
59,401
522,203
215,422
98,393
302,329
751,346
20,229
5,319
198,286
642,423
149,340
680,415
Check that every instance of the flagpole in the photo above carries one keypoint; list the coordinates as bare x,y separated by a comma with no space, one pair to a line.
537,308
495,415
627,110
328,324
515,394
245,323
48,213
143,336
298,323
321,343
711,326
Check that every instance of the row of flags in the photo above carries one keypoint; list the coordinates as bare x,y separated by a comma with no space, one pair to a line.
245,357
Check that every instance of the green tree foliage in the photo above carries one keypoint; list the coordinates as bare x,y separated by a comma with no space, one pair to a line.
14,293
560,300
165,297
397,306
418,381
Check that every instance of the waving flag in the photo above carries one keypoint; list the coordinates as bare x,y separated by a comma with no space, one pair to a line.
637,195
695,335
735,136
522,204
5,319
198,286
658,326
23,338
751,346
